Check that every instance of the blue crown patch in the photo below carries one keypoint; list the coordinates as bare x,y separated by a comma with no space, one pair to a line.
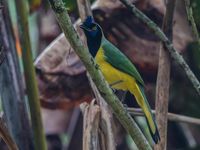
88,21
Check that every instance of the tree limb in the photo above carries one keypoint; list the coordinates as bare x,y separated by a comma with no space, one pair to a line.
106,139
169,46
103,87
191,20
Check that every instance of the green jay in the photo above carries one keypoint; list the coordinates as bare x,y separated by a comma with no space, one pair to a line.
118,70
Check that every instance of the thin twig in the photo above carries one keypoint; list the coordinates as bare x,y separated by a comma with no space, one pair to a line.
171,116
91,66
84,9
163,78
173,52
191,20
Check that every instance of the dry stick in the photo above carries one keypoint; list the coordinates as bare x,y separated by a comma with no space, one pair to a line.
91,66
173,52
84,9
91,120
107,137
163,78
170,116
191,20
30,76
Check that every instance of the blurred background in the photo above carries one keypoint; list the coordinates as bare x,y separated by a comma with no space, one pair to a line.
62,80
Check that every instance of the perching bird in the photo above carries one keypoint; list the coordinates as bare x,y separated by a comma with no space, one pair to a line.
118,70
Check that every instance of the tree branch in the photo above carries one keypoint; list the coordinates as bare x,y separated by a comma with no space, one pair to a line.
170,116
191,20
163,78
106,139
172,51
103,87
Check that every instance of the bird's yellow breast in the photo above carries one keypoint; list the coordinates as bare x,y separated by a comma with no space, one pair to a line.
116,78
122,81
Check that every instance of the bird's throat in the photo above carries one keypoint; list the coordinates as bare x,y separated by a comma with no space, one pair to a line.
94,44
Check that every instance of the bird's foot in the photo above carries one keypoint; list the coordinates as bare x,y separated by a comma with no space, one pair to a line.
114,90
116,82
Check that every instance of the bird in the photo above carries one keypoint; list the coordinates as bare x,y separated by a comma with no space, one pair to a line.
118,70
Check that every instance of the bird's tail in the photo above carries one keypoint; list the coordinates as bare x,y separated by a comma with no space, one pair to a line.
138,92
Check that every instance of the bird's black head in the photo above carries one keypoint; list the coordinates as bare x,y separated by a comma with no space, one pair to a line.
93,33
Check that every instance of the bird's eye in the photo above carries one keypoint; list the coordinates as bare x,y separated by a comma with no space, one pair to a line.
94,28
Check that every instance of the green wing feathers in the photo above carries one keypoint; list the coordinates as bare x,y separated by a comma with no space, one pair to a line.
136,85
118,60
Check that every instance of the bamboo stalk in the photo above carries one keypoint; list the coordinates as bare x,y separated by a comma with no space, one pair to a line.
30,78
103,87
5,77
11,86
169,46
163,78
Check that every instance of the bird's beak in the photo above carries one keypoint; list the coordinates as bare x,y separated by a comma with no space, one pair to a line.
82,26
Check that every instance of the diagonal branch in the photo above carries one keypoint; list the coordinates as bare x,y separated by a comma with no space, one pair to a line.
169,46
191,20
103,87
